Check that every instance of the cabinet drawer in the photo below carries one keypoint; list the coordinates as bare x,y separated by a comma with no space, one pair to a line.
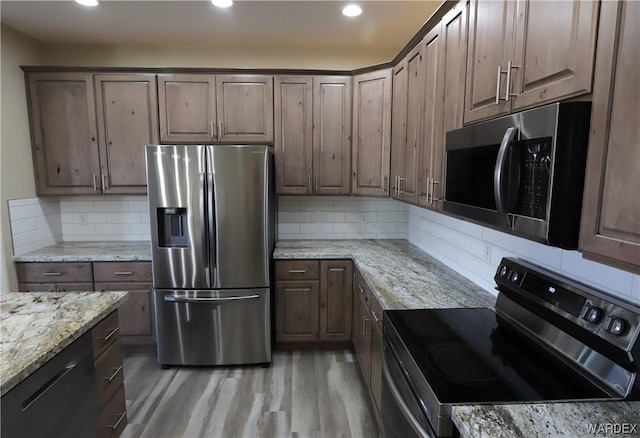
113,417
54,272
109,374
297,270
121,271
105,333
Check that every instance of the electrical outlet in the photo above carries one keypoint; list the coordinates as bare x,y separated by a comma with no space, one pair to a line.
83,218
363,218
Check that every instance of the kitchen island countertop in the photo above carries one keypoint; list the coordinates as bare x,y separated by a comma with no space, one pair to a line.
401,275
121,251
37,326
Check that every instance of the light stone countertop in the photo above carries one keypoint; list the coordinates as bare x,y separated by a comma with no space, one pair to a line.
122,251
34,327
548,420
402,275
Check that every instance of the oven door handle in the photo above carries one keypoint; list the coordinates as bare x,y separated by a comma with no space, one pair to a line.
498,172
418,429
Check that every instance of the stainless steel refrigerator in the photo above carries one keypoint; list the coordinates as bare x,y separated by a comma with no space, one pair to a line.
212,234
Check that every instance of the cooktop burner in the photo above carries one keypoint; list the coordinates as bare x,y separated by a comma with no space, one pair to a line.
471,355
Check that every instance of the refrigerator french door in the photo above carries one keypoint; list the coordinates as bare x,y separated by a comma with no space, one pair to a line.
212,233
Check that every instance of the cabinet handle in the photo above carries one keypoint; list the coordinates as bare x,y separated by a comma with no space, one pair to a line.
375,316
364,326
299,289
51,274
36,395
336,269
113,332
95,184
400,180
433,190
310,188
386,184
104,182
297,271
316,184
213,129
361,290
120,418
220,130
123,273
115,373
498,85
508,87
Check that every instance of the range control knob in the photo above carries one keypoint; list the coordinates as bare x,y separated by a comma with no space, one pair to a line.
515,276
616,326
503,271
593,314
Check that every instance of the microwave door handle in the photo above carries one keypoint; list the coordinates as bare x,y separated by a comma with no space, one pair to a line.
498,172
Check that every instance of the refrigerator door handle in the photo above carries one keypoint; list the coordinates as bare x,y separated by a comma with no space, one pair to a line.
203,219
211,222
173,299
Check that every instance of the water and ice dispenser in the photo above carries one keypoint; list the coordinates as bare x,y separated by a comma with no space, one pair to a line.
173,228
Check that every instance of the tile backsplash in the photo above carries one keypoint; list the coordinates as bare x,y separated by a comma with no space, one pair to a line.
340,217
474,251
102,218
35,223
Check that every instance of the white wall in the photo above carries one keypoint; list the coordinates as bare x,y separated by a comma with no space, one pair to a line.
35,223
476,252
16,171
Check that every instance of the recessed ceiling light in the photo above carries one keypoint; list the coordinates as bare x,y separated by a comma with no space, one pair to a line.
352,10
88,2
222,3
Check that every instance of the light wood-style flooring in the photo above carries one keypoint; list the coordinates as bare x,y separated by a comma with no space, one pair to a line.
315,393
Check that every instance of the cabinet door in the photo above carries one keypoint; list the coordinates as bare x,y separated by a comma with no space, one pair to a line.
432,144
454,67
415,106
293,134
491,32
245,108
136,313
331,135
555,48
371,133
63,133
610,226
399,125
187,108
364,340
297,311
127,121
336,288
375,379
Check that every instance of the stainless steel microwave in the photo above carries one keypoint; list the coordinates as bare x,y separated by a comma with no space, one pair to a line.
522,173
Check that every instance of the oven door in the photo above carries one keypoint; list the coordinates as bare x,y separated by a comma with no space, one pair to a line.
400,410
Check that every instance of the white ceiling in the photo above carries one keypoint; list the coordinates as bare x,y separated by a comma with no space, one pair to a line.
383,24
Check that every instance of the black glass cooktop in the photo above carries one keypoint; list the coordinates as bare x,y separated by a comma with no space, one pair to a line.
471,355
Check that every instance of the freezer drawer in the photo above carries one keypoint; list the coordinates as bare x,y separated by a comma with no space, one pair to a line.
213,327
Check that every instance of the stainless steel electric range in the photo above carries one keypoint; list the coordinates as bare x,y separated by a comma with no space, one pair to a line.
548,339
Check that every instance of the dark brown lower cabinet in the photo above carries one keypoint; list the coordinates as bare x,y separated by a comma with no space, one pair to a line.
367,336
313,300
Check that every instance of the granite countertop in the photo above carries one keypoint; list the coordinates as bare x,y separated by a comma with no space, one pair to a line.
34,327
402,275
548,420
123,251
